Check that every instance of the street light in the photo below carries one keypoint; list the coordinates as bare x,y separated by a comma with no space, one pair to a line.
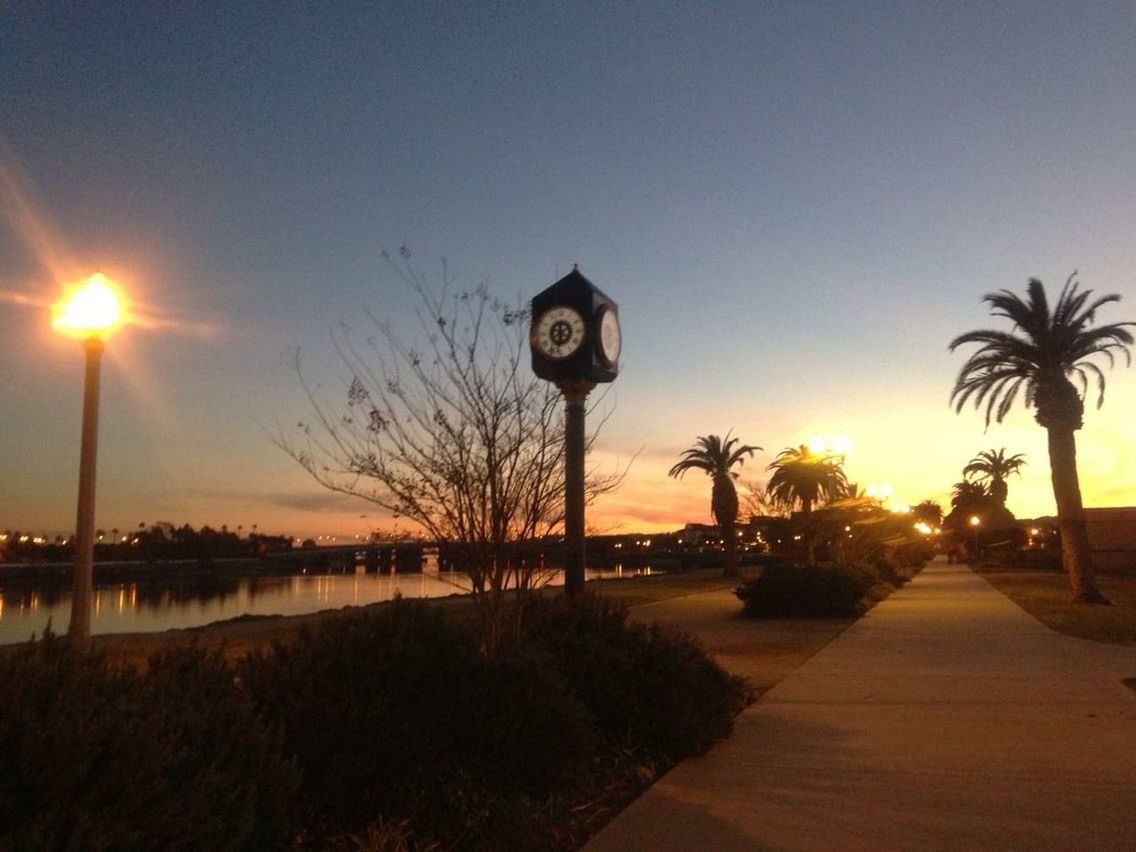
91,312
974,522
838,446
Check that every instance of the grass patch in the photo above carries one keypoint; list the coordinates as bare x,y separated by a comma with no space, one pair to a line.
636,591
1045,595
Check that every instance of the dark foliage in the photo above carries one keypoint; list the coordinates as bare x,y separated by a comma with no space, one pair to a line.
160,542
818,590
914,554
897,565
646,686
386,729
396,713
95,758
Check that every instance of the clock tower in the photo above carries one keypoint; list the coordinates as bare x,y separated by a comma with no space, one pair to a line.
575,332
576,341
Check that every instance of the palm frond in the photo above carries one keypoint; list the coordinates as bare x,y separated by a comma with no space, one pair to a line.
713,455
1045,347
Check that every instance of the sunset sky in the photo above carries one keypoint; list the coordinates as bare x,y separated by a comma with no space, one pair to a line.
796,204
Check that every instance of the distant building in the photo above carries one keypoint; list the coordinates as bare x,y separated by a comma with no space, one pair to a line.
700,535
1112,536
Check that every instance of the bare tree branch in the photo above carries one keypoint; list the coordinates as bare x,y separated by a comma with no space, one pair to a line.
456,436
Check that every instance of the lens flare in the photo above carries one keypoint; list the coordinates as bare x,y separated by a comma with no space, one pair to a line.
93,310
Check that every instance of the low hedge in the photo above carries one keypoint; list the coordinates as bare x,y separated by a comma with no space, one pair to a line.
788,590
396,713
384,729
647,687
95,758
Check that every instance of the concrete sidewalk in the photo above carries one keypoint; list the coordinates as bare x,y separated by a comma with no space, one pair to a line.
946,718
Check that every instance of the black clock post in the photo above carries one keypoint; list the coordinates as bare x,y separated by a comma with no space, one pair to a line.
575,341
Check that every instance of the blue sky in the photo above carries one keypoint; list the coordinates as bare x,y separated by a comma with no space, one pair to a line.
797,206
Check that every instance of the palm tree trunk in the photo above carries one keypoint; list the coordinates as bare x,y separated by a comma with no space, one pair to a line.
724,505
730,539
1075,553
807,531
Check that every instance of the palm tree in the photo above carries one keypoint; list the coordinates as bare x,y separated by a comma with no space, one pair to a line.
928,512
804,478
968,495
969,500
716,456
992,467
1039,357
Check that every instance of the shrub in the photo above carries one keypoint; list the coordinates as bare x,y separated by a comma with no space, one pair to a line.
96,758
396,714
785,590
646,686
914,554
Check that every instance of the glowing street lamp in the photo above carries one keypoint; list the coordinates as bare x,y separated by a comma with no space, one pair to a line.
91,312
839,446
974,522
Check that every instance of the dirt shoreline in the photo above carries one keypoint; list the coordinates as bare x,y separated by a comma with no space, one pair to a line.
235,637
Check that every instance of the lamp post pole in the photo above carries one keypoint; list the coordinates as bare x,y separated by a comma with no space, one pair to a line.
79,630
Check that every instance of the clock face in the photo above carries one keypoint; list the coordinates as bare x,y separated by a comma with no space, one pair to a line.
559,332
610,337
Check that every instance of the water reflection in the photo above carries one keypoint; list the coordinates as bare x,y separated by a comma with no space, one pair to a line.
153,605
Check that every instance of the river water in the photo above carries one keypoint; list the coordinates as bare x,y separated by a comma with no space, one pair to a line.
154,606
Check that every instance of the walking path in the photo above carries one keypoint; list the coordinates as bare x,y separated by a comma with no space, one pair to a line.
946,718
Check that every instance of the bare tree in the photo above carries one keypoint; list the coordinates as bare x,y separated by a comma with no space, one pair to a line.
455,434
754,501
